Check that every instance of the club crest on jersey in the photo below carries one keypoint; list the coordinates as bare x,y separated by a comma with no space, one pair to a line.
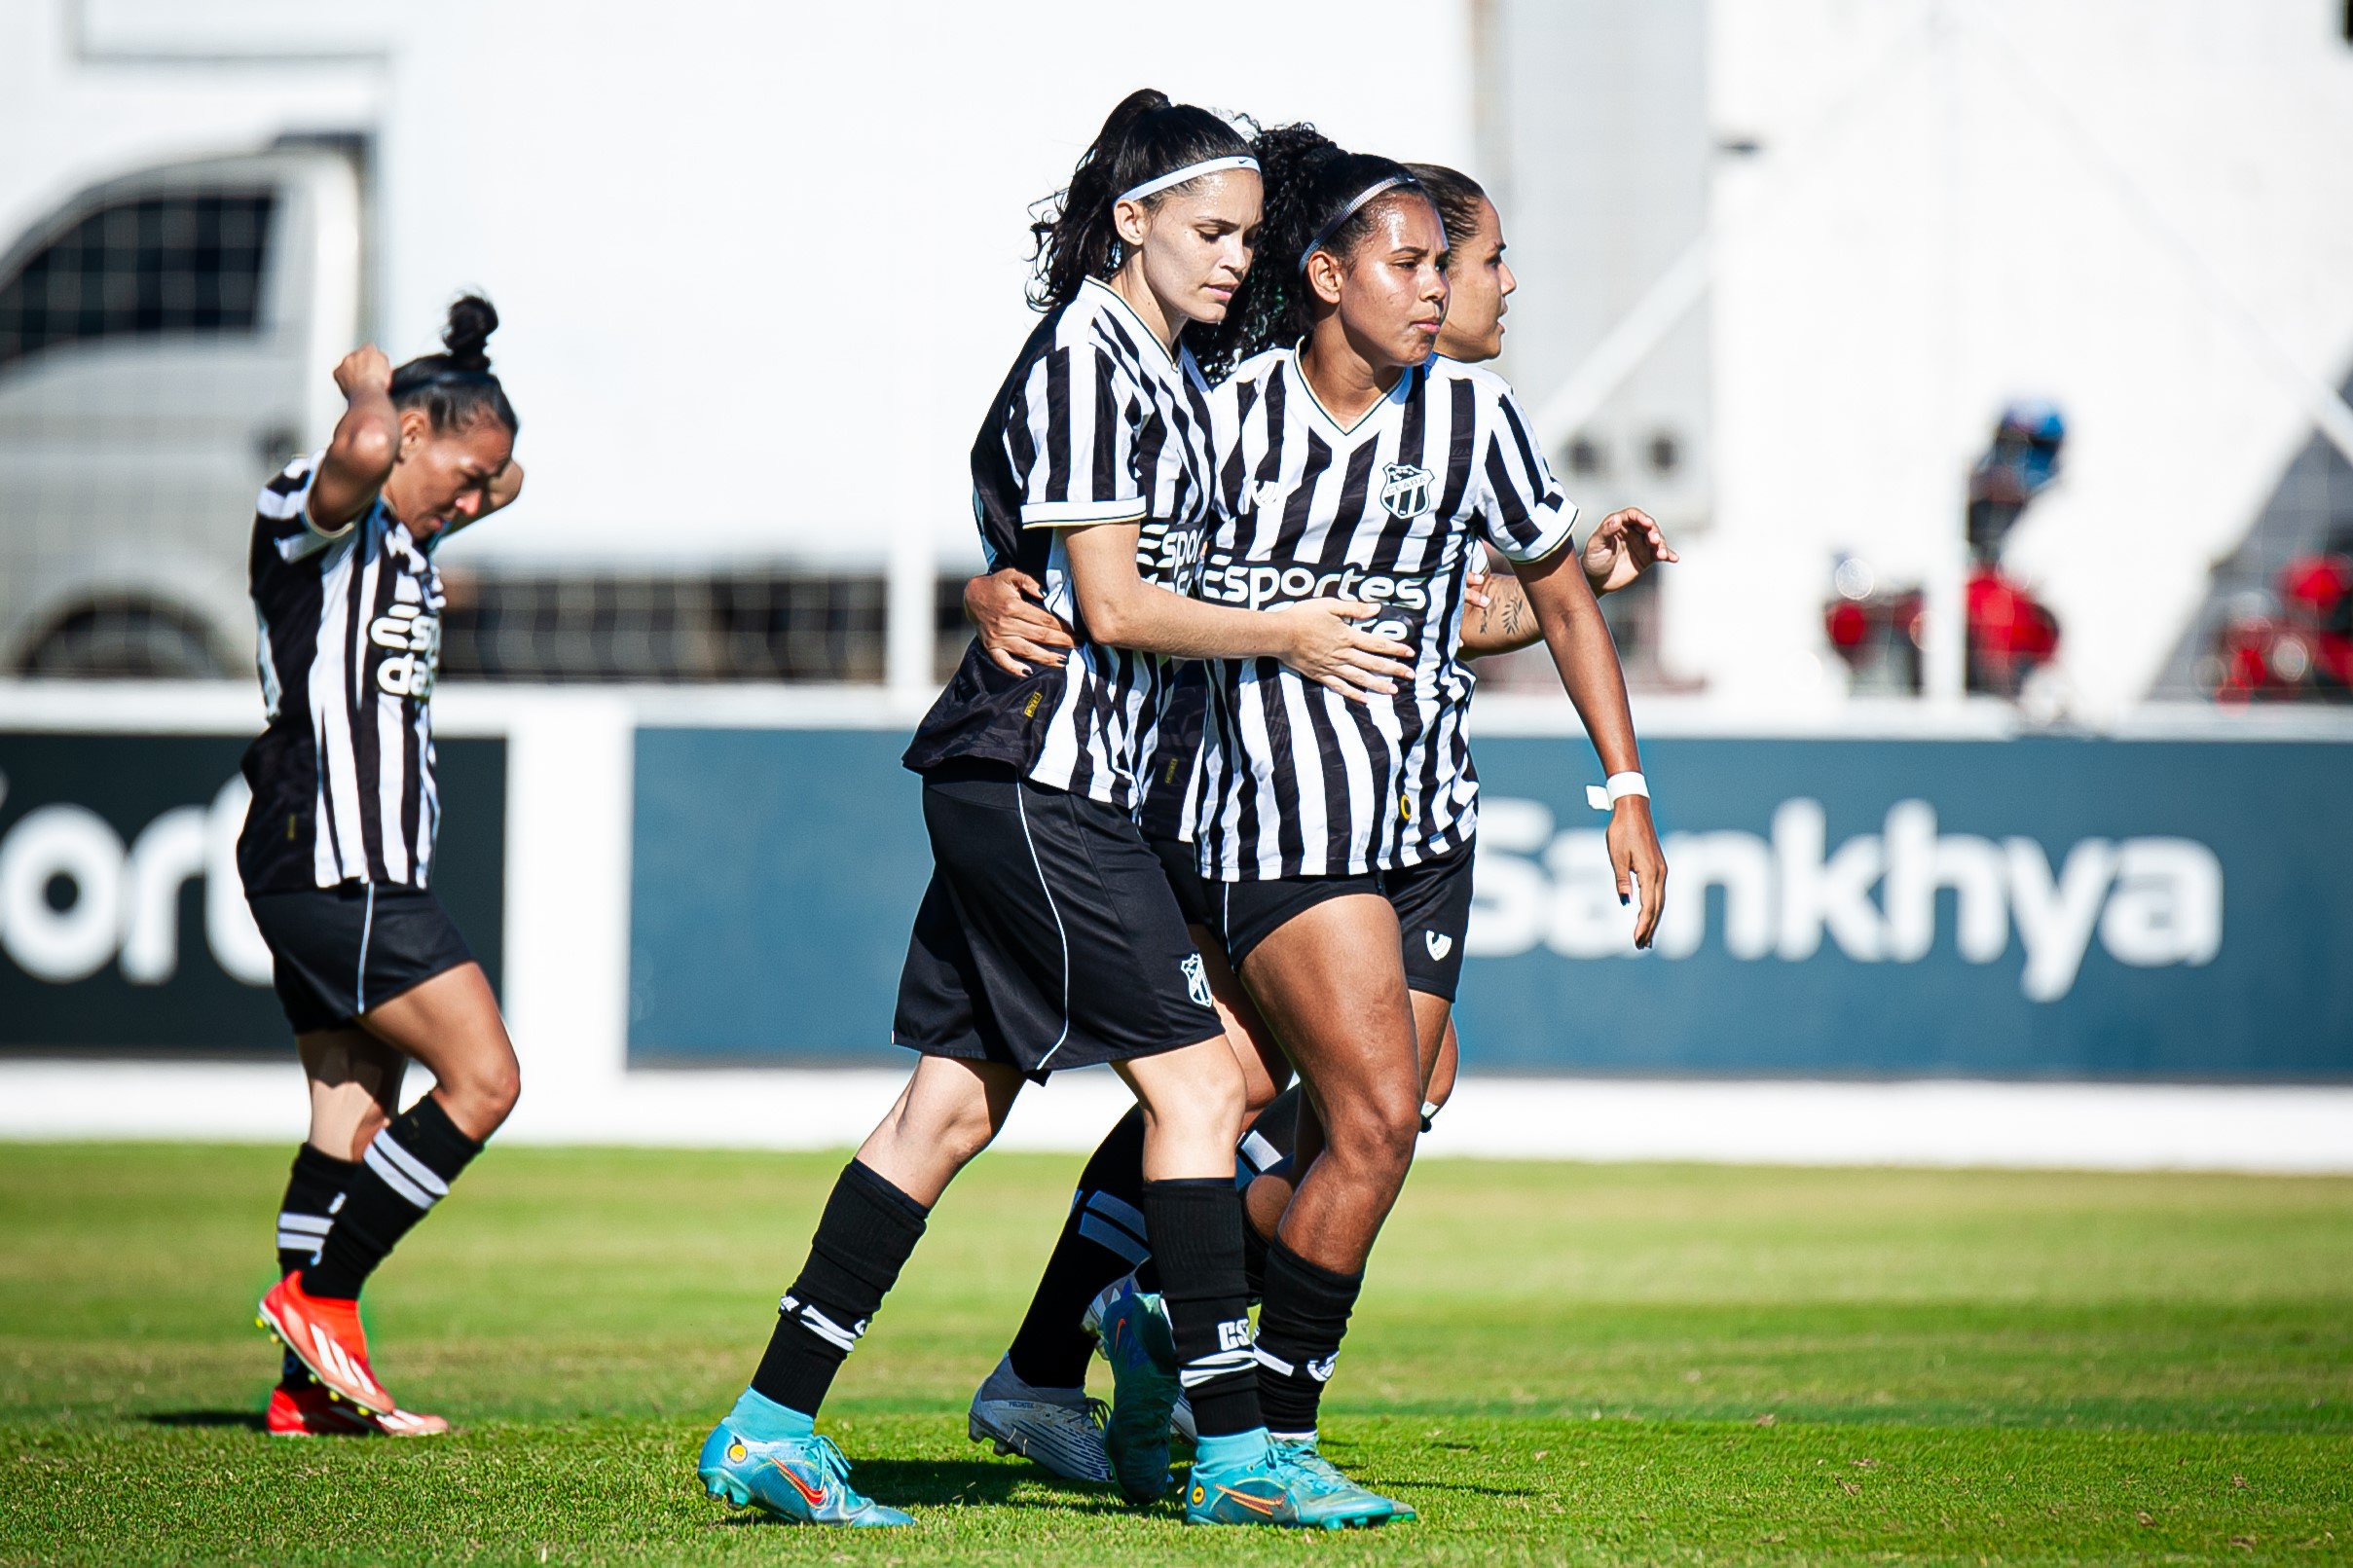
1405,490
1196,980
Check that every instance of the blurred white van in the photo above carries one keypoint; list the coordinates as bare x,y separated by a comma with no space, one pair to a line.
162,343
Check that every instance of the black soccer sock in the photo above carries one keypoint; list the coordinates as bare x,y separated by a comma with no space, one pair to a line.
1300,1328
407,1169
314,1191
862,1240
1196,1234
1266,1150
1103,1237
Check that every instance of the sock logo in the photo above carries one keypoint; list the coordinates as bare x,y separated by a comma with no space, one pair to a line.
1196,980
1321,1371
1438,942
1233,1335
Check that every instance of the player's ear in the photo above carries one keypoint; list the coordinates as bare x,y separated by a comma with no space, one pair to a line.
1130,220
415,429
1323,275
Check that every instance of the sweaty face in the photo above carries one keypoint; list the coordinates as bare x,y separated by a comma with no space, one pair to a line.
1392,288
443,477
1196,243
1481,282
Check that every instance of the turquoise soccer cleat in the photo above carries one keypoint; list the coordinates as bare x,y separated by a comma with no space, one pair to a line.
1131,1329
1302,1455
802,1479
1246,1480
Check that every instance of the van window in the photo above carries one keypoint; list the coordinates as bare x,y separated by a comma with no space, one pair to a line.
141,269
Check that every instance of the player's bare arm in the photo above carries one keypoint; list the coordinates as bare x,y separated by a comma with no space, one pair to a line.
1008,609
1316,638
366,443
1588,661
1625,545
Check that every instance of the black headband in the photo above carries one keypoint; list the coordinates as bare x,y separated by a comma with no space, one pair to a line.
1379,188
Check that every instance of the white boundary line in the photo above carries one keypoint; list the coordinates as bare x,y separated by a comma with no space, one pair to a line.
1937,1123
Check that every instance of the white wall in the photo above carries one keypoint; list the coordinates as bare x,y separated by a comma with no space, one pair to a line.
1920,241
763,264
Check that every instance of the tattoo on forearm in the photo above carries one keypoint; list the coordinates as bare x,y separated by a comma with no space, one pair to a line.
1512,608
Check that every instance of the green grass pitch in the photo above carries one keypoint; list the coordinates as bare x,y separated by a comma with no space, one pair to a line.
1553,1363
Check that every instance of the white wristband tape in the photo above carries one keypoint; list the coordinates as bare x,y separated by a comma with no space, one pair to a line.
1602,797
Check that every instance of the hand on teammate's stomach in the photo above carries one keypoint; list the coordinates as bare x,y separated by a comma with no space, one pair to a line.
1008,609
1327,648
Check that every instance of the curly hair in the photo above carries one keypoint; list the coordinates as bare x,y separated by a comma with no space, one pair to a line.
1145,137
1309,182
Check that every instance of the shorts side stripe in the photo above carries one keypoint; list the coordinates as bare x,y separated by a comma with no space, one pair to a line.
1021,804
367,930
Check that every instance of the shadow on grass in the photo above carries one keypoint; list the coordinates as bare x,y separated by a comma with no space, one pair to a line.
915,1484
251,1420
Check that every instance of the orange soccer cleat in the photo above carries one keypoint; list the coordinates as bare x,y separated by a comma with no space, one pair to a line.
327,1337
308,1412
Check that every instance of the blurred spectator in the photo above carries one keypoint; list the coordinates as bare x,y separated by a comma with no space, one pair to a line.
2303,649
1877,629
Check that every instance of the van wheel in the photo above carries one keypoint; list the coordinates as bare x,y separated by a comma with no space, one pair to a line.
126,641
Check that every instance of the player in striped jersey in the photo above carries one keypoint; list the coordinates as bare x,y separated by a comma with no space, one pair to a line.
1048,937
338,845
1352,462
1102,1235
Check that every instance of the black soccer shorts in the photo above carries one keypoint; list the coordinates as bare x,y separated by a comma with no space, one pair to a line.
337,952
1048,937
1432,900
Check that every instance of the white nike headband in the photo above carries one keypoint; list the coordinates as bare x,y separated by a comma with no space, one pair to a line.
1191,171
1323,236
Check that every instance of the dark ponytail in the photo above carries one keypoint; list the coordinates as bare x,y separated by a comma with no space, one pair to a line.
456,388
1145,137
1309,182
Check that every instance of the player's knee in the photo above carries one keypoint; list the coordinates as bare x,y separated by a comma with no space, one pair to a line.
960,1132
503,1087
1224,1097
484,1093
1376,1130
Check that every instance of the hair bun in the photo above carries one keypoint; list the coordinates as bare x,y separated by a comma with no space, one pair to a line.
472,321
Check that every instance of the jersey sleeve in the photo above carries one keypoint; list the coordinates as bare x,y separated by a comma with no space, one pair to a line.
1521,511
1071,438
282,513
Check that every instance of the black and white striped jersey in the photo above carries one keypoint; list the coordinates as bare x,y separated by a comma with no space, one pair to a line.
350,637
1095,424
1176,760
1296,780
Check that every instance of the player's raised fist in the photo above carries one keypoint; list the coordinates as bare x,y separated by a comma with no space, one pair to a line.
364,370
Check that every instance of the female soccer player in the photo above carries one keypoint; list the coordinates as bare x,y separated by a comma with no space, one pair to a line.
1358,463
1048,937
1023,1405
338,845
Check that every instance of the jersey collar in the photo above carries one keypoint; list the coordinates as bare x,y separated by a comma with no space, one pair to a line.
1111,300
1395,398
